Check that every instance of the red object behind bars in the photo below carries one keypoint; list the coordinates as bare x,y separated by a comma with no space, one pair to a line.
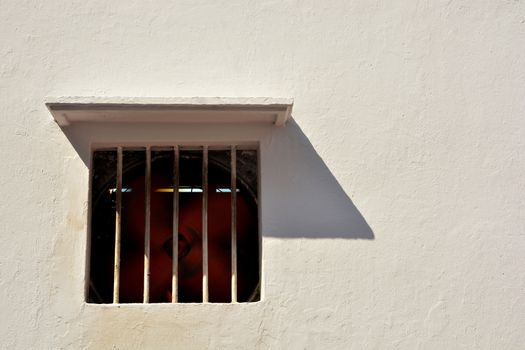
190,245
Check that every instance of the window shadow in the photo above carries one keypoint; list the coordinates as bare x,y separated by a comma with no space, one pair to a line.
300,197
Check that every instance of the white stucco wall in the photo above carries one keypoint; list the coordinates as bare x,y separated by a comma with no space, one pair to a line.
392,206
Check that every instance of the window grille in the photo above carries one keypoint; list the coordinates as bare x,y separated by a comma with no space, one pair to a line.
174,224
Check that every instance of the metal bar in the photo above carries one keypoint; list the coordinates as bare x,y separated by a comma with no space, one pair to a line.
147,227
188,146
205,225
175,254
233,159
248,146
118,222
88,282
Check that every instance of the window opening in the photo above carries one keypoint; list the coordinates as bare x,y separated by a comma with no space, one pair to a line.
207,196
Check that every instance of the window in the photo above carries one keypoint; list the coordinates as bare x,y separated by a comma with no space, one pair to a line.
142,195
139,196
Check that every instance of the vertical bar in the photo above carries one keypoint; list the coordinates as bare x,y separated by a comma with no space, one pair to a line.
147,232
118,221
175,254
205,225
233,160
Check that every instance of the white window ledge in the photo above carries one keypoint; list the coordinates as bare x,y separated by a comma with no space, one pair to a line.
70,110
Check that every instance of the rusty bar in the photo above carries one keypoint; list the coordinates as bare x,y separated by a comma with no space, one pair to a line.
147,228
205,296
118,225
175,262
233,159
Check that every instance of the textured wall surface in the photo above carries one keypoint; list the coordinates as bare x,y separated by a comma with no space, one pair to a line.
393,207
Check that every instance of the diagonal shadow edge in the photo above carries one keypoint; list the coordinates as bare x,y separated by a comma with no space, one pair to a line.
300,196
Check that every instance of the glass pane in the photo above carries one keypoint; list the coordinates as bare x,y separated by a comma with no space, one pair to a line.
190,227
162,162
219,226
133,222
102,226
248,285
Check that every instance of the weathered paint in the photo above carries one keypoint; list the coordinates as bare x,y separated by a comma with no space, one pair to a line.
392,207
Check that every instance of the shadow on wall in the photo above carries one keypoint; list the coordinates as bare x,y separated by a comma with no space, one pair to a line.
300,196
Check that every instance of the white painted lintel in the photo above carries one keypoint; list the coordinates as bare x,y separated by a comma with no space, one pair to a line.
210,110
